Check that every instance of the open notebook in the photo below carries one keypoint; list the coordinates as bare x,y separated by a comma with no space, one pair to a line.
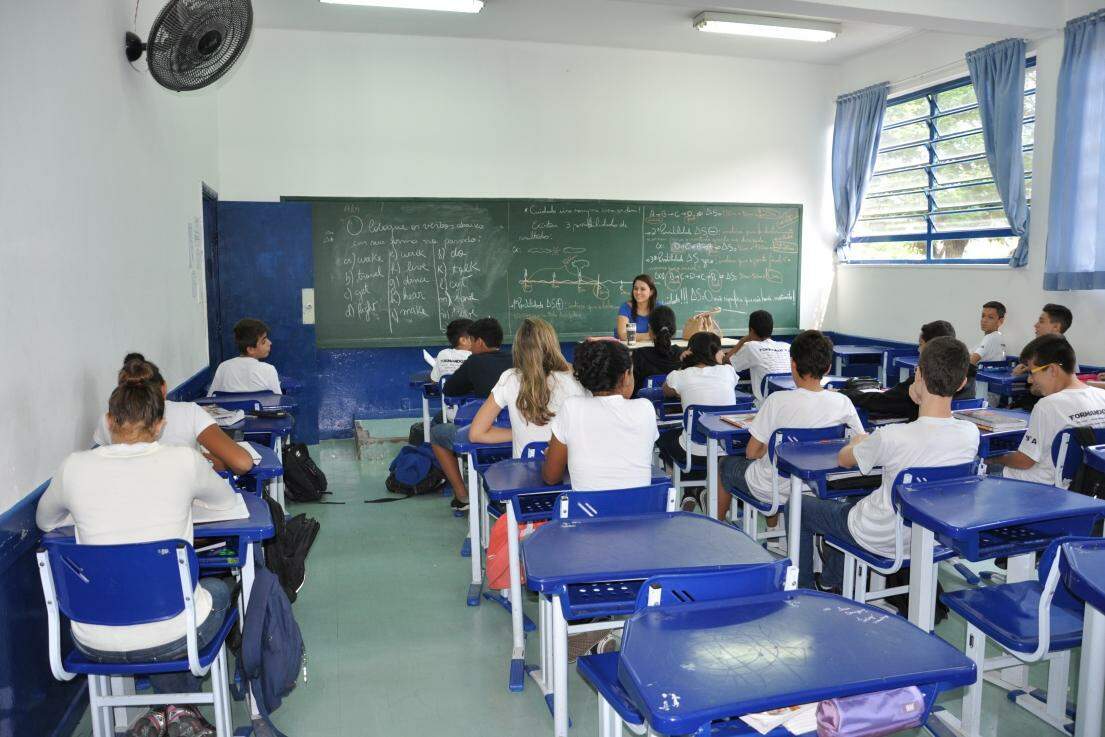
742,420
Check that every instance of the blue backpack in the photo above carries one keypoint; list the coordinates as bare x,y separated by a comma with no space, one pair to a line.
273,653
414,471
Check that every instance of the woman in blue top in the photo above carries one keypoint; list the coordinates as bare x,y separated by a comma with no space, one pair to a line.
642,301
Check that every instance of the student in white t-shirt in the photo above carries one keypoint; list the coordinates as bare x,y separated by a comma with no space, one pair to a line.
808,406
701,381
1066,402
449,359
758,354
992,345
132,491
604,440
934,439
1054,319
533,391
248,372
186,423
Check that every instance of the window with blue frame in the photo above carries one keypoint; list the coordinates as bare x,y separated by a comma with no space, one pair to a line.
932,197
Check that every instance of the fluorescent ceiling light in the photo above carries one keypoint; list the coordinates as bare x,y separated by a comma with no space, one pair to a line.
453,6
767,26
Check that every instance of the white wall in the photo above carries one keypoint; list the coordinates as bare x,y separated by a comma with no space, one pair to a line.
100,173
893,301
327,114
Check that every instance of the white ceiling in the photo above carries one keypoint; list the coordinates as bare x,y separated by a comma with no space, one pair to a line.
666,24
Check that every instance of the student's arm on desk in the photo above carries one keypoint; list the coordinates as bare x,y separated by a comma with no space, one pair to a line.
483,428
224,451
52,510
1016,459
556,462
846,457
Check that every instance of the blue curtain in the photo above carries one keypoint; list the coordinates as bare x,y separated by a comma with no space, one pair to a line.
997,73
1076,218
855,143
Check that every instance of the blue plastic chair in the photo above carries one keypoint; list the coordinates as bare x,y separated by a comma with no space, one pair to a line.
859,560
765,382
691,433
1032,621
652,499
1066,454
121,585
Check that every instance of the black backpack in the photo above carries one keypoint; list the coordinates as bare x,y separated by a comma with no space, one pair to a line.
303,480
286,551
1088,481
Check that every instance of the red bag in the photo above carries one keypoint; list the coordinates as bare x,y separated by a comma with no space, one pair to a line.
498,554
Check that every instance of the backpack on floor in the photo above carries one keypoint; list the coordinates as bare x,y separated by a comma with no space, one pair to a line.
303,480
286,551
414,471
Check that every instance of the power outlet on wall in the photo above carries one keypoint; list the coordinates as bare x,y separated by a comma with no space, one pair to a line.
309,306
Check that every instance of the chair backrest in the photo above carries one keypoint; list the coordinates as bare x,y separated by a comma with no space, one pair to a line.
652,499
535,449
803,435
975,403
932,474
655,380
1066,453
765,382
688,588
119,585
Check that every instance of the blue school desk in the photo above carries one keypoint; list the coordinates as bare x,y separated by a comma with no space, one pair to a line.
1003,382
843,355
1095,457
1083,571
521,478
991,444
476,455
594,567
984,518
718,432
256,400
689,665
786,383
906,365
268,468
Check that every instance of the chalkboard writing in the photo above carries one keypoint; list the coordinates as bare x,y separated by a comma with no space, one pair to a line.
395,272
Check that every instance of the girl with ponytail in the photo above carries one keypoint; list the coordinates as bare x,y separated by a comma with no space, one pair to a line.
532,391
186,423
661,357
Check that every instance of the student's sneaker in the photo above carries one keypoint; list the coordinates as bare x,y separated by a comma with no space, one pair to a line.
838,590
458,505
150,724
690,501
186,721
608,644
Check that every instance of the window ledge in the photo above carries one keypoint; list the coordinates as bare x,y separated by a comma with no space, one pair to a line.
923,265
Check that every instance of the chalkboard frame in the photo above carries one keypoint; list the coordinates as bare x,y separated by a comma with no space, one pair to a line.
404,341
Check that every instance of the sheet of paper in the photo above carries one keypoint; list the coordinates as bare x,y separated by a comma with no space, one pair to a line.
251,450
202,513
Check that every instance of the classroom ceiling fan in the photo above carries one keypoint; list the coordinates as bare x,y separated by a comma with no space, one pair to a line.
193,42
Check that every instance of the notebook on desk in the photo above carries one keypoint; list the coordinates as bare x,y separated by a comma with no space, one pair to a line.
224,417
201,513
991,421
742,420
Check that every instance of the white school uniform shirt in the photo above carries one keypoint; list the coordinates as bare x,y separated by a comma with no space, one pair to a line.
610,441
991,347
133,493
448,361
245,374
799,408
184,421
561,386
1051,415
760,358
708,385
925,442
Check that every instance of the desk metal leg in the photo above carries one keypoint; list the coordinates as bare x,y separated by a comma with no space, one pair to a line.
518,655
560,676
922,584
123,715
711,478
474,534
1091,675
426,418
794,520
1017,569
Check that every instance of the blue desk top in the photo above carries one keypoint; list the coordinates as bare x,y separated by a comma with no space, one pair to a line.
957,511
860,350
685,666
1001,377
506,479
631,548
810,461
267,400
1095,457
714,427
909,362
786,383
1083,569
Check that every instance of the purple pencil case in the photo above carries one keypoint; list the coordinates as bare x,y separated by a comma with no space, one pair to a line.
871,714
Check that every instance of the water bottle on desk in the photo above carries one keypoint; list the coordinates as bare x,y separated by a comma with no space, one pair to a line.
631,333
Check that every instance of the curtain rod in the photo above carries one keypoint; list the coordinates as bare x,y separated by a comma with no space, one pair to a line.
924,79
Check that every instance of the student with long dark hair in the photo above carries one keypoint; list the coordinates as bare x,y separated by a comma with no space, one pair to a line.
642,301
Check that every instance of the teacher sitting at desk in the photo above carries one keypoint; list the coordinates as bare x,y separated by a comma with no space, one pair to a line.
642,300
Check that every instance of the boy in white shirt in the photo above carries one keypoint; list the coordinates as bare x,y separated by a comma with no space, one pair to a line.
460,348
807,406
1054,319
1066,402
935,439
246,372
758,354
992,345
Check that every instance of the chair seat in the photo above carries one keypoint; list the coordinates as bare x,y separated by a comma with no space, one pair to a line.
875,560
77,662
601,671
760,505
1008,614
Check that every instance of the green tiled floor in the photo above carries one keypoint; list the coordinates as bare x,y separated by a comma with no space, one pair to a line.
392,648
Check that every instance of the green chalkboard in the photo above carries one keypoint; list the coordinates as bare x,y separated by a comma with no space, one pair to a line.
396,271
